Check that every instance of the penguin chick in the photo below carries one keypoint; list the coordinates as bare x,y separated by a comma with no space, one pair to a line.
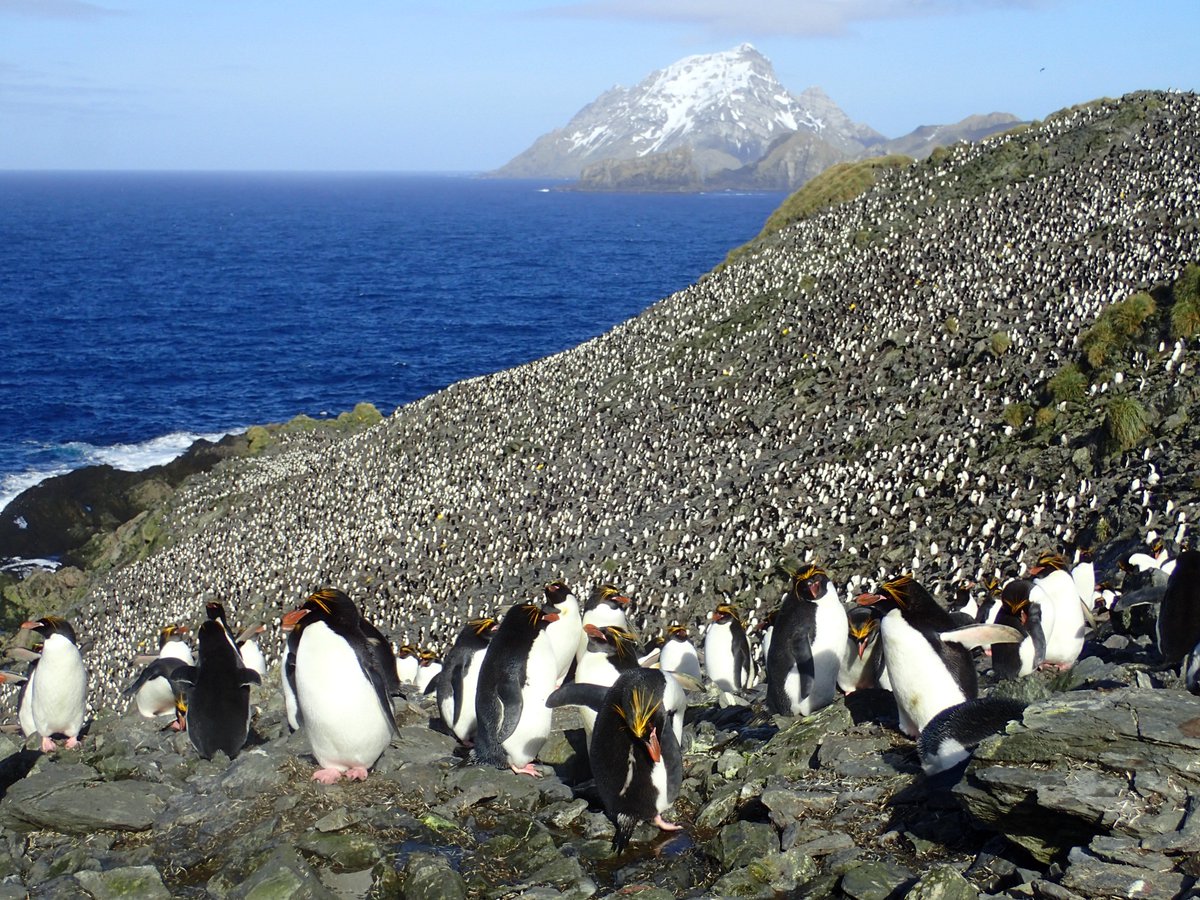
216,693
458,681
634,754
519,671
806,649
54,695
727,660
341,687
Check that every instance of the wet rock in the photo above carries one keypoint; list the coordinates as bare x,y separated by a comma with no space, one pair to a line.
742,843
128,882
282,875
346,851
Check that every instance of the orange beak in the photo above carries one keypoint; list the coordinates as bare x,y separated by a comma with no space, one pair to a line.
292,619
868,599
654,746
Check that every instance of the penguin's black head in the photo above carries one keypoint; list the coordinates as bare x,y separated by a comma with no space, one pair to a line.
1015,598
214,640
1049,562
170,633
405,651
677,633
48,625
556,592
810,583
726,613
485,628
215,611
638,710
328,605
426,658
608,595
864,626
767,621
536,616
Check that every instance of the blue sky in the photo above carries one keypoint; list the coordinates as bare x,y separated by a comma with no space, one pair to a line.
395,85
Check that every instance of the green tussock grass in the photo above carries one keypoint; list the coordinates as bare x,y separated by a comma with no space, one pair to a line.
1185,309
1125,422
1068,385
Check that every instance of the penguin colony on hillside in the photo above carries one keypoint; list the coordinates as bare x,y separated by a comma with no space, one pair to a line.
807,400
340,674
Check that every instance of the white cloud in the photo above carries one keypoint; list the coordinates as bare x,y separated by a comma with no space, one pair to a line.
799,18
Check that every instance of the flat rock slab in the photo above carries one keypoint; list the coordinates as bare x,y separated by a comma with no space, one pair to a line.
1124,763
70,798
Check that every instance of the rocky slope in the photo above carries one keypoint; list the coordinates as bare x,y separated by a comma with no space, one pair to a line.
881,386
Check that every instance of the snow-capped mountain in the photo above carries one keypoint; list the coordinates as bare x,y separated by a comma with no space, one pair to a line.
726,108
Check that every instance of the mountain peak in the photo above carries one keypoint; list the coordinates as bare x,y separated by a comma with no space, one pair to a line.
726,107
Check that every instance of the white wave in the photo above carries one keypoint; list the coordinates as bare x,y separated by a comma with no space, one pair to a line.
126,457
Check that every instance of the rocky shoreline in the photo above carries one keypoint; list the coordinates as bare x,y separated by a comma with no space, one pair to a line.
909,381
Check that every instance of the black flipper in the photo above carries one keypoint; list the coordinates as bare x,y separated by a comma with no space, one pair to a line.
576,693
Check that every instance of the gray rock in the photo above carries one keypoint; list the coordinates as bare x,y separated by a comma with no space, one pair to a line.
742,843
942,883
69,797
282,875
1092,877
1089,764
875,880
428,876
132,882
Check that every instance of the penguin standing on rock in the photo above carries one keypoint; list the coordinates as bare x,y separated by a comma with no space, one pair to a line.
54,695
678,653
519,672
807,646
635,757
1016,611
566,631
457,684
1177,629
611,651
928,660
727,660
216,693
1064,614
152,690
863,667
340,682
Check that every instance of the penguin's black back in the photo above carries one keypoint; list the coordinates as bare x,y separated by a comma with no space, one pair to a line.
501,677
791,647
1006,658
470,641
1179,616
218,694
621,766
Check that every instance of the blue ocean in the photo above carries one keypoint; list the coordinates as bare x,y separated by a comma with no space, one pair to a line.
141,311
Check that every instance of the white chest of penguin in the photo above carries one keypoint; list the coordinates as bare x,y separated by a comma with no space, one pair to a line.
342,713
920,680
54,699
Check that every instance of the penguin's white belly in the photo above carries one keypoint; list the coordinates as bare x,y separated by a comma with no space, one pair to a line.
675,702
346,726
593,670
921,683
1027,652
57,692
464,726
677,656
289,697
426,674
177,650
718,658
828,644
1064,639
252,658
658,779
564,636
541,678
156,698
406,669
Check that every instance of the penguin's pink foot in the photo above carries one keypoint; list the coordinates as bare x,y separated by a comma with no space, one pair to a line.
72,743
527,769
664,825
178,725
48,745
468,743
358,773
327,776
